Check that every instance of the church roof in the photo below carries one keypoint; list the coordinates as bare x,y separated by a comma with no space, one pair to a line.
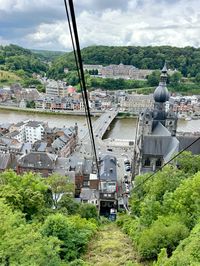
164,146
160,143
161,93
164,70
161,130
186,141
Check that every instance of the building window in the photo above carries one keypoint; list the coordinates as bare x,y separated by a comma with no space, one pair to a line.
147,162
158,163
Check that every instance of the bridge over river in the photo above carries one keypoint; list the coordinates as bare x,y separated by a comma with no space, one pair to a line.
100,126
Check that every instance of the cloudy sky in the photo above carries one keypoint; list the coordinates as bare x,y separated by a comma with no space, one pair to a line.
42,24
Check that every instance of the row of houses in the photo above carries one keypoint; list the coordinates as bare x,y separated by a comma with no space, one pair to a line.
18,93
38,136
102,190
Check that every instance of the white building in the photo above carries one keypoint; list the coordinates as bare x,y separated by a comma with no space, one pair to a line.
28,131
34,131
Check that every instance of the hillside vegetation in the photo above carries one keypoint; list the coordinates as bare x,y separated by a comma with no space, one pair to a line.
186,60
7,77
13,58
47,55
164,223
18,64
38,230
24,62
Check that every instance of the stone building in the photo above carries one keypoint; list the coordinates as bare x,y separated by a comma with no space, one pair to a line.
119,71
156,140
136,103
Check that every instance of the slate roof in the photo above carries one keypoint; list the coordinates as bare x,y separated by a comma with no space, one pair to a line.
34,124
38,160
12,134
160,130
4,160
108,169
40,146
89,194
26,147
19,124
160,143
59,143
84,167
5,141
186,141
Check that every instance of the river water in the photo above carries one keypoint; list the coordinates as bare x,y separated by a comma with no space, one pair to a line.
120,129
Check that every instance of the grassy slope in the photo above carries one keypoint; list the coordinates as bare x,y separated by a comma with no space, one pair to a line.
111,247
7,78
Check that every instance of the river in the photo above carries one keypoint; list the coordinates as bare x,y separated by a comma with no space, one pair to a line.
121,128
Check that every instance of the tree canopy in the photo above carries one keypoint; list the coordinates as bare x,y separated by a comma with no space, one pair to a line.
32,232
164,221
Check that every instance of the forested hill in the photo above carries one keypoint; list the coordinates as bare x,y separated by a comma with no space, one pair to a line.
14,58
47,55
186,60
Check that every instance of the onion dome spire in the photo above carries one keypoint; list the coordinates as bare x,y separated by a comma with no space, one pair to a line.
161,93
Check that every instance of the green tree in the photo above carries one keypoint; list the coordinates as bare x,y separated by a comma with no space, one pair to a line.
197,78
27,193
165,232
175,78
23,244
30,104
88,211
67,202
74,232
59,186
154,78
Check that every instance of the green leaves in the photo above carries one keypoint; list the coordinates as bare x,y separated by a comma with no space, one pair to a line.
29,234
74,232
27,193
163,211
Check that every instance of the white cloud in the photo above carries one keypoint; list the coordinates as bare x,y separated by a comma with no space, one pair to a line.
134,22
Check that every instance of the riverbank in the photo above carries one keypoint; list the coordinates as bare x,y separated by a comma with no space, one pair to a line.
74,113
48,112
126,115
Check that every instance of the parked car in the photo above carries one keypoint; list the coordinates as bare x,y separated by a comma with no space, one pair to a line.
126,161
127,168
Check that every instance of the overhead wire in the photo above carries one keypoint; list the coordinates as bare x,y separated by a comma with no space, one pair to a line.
76,61
168,162
79,65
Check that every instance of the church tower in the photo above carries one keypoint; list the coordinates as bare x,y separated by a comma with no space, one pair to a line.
161,95
156,131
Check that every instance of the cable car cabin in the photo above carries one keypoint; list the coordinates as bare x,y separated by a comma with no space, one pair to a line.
108,186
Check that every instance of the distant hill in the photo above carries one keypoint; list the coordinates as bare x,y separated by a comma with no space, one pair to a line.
16,58
47,55
186,60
